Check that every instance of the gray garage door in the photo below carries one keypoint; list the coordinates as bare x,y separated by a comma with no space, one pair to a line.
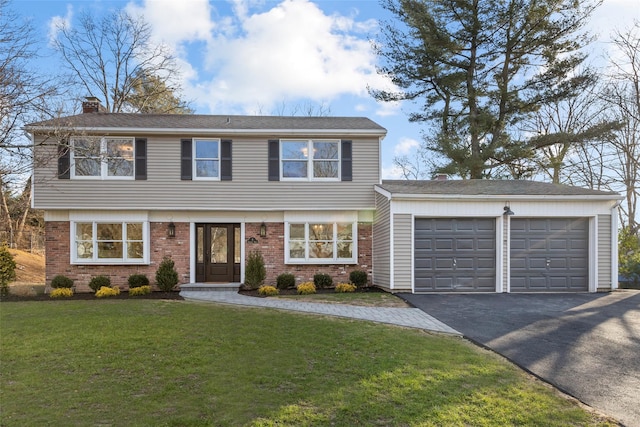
549,254
455,254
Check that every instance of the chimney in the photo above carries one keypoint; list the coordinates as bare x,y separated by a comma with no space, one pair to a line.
91,104
441,177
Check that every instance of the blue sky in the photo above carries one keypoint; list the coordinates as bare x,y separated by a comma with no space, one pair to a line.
262,57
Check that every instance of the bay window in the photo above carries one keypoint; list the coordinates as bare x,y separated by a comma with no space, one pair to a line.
321,242
110,242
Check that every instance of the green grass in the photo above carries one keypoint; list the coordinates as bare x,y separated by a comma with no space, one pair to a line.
173,363
378,299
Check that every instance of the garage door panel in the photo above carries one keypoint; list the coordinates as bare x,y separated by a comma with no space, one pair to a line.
462,254
549,254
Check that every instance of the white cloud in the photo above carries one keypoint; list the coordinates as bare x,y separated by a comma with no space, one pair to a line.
405,146
58,22
261,55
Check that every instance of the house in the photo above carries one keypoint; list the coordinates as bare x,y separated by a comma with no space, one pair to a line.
122,191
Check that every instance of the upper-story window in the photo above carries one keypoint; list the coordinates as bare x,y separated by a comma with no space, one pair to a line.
206,161
102,158
310,159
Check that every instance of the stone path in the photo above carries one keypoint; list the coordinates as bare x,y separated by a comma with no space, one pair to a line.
408,317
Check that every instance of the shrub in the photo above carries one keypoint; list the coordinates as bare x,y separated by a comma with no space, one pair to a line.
268,290
345,287
140,290
7,270
137,280
255,272
286,281
61,281
306,288
358,278
98,282
166,276
107,291
61,293
322,280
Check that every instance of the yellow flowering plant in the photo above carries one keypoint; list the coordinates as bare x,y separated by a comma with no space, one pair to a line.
61,293
140,290
268,290
345,287
306,288
106,291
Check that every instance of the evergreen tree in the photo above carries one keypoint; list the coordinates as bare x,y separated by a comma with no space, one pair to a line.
480,67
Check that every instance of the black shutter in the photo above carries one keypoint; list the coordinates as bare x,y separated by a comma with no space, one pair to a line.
347,161
274,160
225,160
141,159
64,160
185,159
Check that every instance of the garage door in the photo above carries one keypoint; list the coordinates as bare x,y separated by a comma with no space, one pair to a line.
455,254
549,254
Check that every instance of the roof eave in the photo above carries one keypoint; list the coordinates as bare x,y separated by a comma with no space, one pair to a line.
510,197
201,131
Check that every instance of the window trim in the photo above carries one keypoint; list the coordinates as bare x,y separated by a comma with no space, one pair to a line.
310,160
194,159
103,159
309,260
146,242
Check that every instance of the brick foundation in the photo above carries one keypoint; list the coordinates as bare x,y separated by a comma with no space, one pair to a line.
58,250
272,249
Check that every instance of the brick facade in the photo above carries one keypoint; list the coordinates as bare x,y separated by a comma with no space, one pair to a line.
272,249
58,249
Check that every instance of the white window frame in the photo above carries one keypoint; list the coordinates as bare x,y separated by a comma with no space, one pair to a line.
104,159
146,242
194,159
307,259
310,160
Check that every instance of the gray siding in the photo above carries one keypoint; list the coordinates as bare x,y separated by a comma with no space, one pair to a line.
604,252
249,189
381,243
402,244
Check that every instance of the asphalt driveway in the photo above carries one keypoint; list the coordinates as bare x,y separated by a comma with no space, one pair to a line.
588,345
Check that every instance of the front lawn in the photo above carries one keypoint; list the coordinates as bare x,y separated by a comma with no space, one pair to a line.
175,363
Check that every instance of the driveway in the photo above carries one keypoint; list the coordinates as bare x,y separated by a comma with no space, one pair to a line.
588,345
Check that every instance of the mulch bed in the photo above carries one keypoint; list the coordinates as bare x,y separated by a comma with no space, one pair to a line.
292,291
90,296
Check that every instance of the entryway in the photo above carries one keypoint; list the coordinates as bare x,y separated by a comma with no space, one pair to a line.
218,253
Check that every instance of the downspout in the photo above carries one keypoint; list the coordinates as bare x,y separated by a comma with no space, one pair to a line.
614,245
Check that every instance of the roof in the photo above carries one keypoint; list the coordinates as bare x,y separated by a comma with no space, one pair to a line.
209,123
487,188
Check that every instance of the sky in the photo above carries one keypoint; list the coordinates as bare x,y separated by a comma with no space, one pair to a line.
269,57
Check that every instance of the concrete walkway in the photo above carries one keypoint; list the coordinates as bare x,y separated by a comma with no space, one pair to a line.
408,317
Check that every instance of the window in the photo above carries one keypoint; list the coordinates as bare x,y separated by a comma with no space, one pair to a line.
321,243
110,242
310,159
206,161
102,158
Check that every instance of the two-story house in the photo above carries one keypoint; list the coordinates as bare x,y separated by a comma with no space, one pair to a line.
122,191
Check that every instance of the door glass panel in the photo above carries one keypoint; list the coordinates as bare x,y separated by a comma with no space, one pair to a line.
218,245
200,245
236,245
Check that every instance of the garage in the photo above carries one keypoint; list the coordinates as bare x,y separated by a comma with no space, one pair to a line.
549,254
455,254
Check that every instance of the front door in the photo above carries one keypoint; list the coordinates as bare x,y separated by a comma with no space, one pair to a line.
218,253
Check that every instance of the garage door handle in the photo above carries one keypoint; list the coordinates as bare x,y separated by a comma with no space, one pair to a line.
548,262
454,263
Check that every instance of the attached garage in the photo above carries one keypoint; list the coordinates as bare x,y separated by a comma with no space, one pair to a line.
455,254
549,254
493,236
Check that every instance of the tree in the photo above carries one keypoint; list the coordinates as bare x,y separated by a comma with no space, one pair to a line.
115,59
480,67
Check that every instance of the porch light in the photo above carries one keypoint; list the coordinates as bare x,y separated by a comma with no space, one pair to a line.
263,229
171,230
508,211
